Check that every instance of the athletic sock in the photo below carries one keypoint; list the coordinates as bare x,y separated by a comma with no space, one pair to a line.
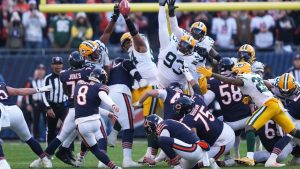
35,146
102,144
127,140
53,145
101,156
250,136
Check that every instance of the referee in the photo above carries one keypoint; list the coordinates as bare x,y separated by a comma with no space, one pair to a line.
54,99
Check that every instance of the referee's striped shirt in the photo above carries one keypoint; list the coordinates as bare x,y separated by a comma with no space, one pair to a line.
56,94
295,72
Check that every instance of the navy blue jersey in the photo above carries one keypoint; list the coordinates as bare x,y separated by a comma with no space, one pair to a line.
86,97
119,75
169,112
69,79
208,127
230,99
269,134
178,130
4,97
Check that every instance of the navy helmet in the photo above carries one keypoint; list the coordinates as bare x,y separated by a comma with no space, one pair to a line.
150,124
98,75
76,61
184,105
226,64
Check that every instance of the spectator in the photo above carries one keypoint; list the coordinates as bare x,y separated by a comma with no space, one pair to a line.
224,29
33,22
60,31
295,70
81,30
3,24
285,26
141,22
37,104
262,26
243,21
21,6
15,32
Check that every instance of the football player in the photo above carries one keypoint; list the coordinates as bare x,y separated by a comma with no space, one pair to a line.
68,133
139,51
235,113
269,107
88,97
208,128
204,44
12,117
177,140
276,143
171,63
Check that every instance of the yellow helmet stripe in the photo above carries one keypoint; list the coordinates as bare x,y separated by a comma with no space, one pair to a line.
88,44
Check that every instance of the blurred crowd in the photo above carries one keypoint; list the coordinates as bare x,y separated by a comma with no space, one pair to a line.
22,25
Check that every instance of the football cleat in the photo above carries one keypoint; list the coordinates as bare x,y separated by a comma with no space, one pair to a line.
295,161
62,156
4,164
151,162
246,161
129,163
274,164
213,164
101,165
46,162
36,163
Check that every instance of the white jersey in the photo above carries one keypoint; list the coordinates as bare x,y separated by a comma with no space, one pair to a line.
276,92
255,88
144,63
169,66
103,60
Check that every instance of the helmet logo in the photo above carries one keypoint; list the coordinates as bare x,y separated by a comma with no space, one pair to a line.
178,106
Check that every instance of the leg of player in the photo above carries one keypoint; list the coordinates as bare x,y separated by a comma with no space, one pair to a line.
3,163
278,154
296,156
19,126
112,137
166,144
90,132
65,153
261,156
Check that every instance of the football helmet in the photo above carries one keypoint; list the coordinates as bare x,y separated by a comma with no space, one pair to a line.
184,105
241,68
226,64
76,61
246,53
126,41
90,50
98,75
198,31
186,45
287,84
150,124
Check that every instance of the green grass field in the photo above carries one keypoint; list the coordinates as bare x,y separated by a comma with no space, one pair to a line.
20,156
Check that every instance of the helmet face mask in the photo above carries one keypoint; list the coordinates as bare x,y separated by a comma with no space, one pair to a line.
198,34
246,53
151,123
127,43
226,64
244,57
75,60
98,75
185,48
95,56
287,85
184,105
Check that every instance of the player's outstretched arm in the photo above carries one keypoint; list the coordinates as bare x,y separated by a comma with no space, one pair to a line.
268,84
26,91
107,100
228,80
163,32
111,25
173,20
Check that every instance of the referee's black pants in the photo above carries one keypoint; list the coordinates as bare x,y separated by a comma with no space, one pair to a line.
60,112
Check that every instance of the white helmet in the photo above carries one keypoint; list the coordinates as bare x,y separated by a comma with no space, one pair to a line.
258,67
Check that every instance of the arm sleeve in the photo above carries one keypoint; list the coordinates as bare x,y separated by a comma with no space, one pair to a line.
162,94
25,19
209,96
42,19
45,83
163,28
105,98
174,27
